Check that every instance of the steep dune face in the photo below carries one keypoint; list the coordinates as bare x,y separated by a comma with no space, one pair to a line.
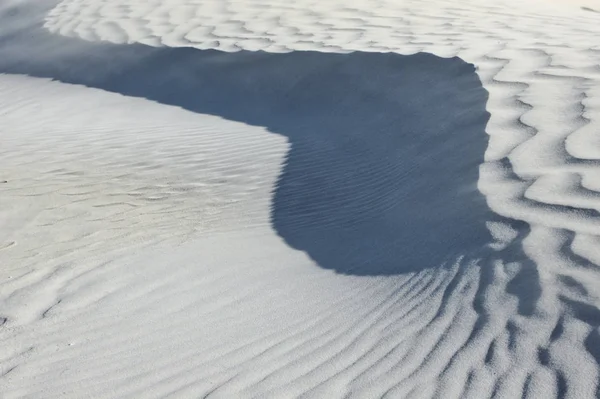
364,178
326,223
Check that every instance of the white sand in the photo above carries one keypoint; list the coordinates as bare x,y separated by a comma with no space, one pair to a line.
186,223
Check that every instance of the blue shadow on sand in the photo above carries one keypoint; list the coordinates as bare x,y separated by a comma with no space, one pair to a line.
381,178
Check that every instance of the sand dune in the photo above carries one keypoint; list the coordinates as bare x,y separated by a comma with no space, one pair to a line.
389,199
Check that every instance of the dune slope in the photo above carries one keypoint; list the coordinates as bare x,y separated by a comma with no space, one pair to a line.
263,199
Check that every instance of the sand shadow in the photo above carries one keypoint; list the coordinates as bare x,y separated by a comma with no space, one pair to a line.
385,148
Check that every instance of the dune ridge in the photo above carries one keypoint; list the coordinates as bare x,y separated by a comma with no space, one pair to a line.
195,298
